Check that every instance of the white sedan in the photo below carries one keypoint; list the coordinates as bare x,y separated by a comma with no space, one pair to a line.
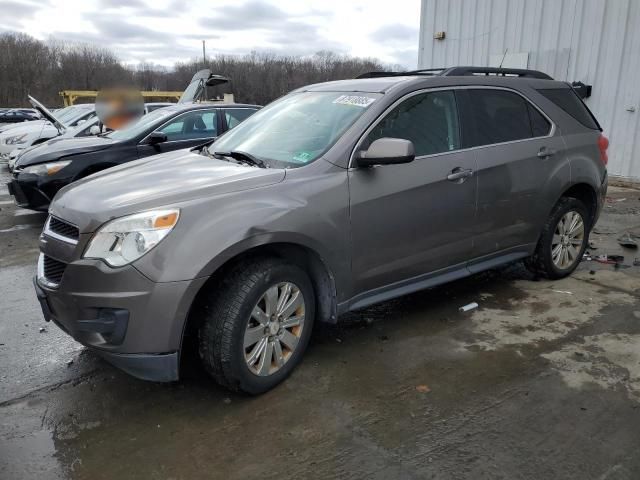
38,131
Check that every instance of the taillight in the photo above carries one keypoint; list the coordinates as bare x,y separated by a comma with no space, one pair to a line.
603,144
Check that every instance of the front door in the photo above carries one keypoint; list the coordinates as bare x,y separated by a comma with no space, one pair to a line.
412,219
184,131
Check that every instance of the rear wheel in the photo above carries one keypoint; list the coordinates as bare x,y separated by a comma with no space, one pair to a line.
563,240
257,326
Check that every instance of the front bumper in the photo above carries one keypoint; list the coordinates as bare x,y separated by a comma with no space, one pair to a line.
156,368
32,191
134,323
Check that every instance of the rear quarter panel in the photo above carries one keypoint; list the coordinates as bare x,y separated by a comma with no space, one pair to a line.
581,151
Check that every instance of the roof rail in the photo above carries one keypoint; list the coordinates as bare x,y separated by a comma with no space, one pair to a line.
424,71
462,71
519,72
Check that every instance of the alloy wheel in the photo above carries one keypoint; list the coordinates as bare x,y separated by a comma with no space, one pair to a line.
567,241
274,329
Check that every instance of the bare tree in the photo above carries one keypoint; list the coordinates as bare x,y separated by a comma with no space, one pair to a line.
30,66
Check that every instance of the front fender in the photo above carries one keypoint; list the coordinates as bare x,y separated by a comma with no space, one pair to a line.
211,231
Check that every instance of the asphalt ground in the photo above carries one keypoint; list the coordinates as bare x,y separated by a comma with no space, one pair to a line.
542,380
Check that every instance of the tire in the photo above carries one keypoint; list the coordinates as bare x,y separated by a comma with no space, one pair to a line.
229,322
542,261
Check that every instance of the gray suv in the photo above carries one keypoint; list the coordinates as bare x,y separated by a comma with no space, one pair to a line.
335,197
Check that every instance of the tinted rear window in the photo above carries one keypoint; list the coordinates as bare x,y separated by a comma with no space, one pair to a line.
569,101
497,116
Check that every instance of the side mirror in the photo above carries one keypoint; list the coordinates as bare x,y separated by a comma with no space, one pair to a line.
94,130
388,151
156,137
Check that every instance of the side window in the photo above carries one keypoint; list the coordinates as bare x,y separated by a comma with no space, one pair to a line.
429,120
569,101
191,126
236,115
540,126
497,116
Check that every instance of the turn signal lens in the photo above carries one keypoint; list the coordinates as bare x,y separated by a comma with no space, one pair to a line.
166,221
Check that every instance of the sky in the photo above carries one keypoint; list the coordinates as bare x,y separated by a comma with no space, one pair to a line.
166,31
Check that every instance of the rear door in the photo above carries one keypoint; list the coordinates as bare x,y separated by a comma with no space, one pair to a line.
517,148
412,219
184,131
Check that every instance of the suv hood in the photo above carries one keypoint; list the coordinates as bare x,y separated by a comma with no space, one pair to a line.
52,151
46,113
168,179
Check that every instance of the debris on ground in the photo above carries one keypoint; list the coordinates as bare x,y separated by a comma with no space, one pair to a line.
69,362
469,306
423,388
42,330
636,262
592,272
627,241
227,400
609,259
592,245
566,292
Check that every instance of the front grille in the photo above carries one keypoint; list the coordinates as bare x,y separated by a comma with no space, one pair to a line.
53,269
62,228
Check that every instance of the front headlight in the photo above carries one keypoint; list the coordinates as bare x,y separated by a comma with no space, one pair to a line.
16,139
124,240
46,168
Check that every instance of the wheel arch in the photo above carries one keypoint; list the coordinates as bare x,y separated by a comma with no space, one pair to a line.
319,272
587,194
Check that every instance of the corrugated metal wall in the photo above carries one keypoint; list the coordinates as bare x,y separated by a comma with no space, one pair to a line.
593,41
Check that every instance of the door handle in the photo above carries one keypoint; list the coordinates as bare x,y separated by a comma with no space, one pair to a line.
459,175
545,152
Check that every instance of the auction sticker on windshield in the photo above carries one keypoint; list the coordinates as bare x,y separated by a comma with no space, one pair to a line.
356,100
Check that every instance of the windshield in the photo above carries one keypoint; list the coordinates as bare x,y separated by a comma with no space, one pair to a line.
79,130
142,124
297,129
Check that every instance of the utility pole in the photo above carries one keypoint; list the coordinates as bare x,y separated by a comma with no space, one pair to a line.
204,55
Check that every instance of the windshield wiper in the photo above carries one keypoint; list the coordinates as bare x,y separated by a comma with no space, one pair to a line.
243,157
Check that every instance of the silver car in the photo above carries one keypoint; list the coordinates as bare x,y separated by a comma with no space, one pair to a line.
335,197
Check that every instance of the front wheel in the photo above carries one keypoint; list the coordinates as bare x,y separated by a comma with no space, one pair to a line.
256,327
563,240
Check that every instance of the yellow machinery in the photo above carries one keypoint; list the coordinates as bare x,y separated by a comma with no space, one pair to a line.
70,96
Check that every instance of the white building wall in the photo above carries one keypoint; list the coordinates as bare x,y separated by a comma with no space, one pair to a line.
593,41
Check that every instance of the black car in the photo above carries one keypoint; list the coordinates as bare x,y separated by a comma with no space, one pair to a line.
41,172
18,115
